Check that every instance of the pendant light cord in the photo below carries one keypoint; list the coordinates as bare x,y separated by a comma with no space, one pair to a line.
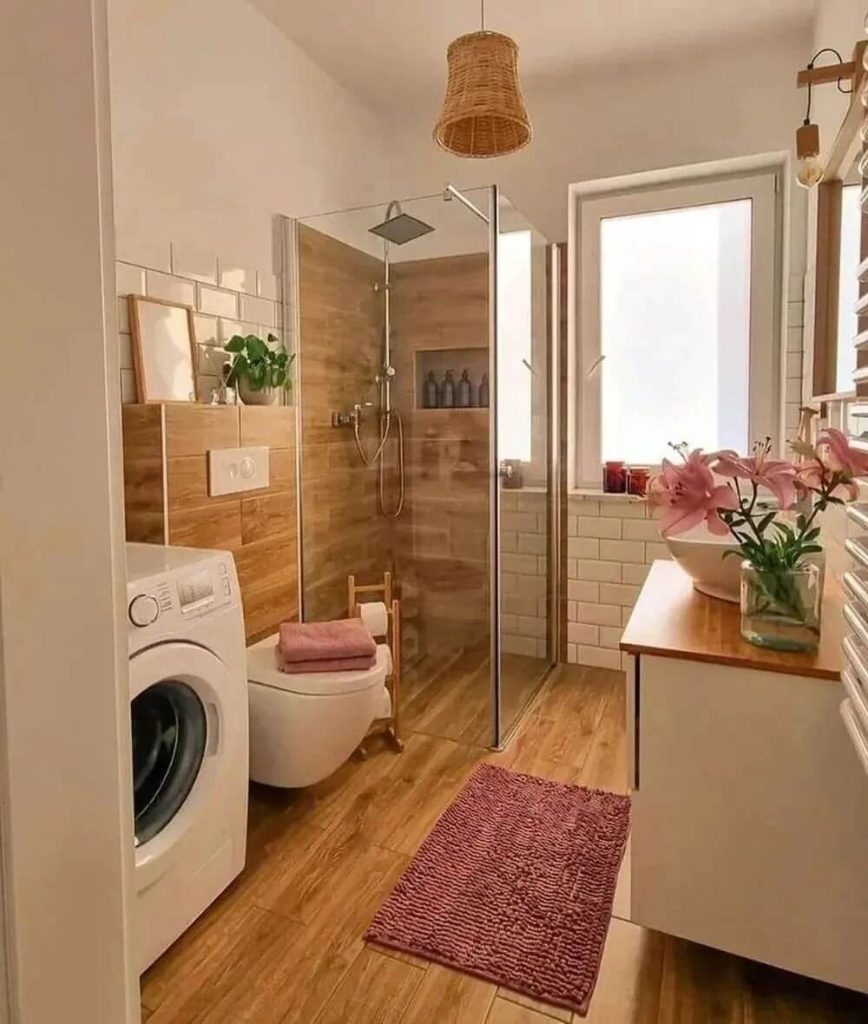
819,53
482,14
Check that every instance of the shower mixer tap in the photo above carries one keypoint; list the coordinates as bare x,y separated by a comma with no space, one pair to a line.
350,419
385,375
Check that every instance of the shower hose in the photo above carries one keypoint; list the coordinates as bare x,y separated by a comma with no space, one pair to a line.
369,460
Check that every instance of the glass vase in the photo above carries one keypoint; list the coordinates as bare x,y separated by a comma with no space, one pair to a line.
781,610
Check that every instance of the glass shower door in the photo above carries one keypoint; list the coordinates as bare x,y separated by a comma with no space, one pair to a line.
523,647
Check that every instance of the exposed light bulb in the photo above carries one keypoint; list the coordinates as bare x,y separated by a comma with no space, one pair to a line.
810,172
810,168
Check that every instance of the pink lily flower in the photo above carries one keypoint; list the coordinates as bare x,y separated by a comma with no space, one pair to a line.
689,495
776,475
840,456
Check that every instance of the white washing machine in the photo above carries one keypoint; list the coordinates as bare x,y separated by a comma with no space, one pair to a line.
188,710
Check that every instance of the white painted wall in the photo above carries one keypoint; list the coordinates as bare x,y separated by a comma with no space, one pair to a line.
65,785
703,106
839,24
219,122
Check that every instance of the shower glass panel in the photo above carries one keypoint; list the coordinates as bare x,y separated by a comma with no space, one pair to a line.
523,457
399,446
393,357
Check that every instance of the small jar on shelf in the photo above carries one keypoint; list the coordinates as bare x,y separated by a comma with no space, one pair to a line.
614,478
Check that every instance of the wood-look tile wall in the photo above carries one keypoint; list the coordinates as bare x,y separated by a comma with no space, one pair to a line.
167,501
341,318
442,538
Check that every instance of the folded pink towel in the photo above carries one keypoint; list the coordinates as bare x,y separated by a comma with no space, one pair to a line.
326,665
325,641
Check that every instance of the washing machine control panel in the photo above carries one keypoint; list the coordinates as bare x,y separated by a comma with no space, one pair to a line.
186,593
144,609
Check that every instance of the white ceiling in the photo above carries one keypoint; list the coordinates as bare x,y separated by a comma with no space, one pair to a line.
391,53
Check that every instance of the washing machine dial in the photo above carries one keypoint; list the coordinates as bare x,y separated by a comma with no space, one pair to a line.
144,610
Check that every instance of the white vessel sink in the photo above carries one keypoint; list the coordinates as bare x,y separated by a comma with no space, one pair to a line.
700,555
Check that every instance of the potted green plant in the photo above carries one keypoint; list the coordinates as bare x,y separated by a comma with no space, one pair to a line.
259,369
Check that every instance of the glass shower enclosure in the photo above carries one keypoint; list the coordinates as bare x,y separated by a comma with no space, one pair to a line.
423,383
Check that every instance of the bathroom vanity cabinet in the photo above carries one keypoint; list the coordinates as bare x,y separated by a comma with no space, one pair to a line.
750,805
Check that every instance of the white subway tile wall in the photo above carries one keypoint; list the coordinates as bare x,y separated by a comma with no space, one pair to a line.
183,273
170,288
794,355
611,544
524,586
195,264
237,278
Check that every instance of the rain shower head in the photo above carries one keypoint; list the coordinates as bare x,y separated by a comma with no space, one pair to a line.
400,227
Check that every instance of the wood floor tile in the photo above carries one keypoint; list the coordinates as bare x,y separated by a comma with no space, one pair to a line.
700,985
631,972
336,884
775,997
621,903
504,1012
440,770
350,788
605,767
198,951
376,990
240,980
549,1011
570,738
398,954
284,944
447,997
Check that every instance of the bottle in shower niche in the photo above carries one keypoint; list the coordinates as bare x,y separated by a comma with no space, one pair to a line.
462,392
483,392
447,392
430,398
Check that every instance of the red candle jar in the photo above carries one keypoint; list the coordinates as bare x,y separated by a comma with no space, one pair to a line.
614,478
637,481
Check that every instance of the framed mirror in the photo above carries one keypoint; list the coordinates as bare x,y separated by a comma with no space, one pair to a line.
163,350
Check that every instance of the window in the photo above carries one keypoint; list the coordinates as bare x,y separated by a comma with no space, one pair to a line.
514,341
676,321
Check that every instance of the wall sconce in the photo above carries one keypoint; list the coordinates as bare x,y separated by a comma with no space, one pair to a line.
810,170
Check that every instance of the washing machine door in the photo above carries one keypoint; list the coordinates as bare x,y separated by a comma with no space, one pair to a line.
177,696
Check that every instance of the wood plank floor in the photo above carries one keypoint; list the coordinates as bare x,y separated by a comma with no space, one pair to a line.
448,694
284,944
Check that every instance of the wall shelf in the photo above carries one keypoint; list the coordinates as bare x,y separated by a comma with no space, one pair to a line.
438,362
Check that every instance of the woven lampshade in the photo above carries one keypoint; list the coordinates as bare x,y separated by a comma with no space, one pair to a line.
483,113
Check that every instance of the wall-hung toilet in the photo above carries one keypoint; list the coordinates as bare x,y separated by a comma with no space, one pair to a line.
305,726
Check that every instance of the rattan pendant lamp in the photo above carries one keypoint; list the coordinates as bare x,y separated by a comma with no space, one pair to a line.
483,112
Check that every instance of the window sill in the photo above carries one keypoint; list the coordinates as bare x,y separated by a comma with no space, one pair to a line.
596,493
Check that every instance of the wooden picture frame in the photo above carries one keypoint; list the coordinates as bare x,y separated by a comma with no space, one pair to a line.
164,350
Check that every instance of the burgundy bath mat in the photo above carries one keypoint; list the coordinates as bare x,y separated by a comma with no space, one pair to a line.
514,884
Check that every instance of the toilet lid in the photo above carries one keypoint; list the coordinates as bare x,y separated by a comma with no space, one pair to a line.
262,668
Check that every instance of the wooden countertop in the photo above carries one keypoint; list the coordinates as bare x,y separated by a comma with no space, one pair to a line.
673,620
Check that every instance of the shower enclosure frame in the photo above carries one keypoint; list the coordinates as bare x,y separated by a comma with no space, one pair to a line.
289,252
494,473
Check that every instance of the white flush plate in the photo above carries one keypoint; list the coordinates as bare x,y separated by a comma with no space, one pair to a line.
231,470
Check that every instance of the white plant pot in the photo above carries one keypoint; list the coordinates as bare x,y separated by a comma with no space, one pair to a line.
267,396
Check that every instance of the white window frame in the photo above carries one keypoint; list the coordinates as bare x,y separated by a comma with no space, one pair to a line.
650,193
